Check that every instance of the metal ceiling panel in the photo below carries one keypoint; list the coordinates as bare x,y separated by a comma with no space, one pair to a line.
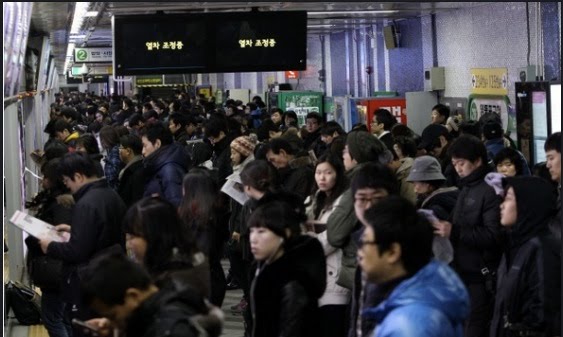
55,18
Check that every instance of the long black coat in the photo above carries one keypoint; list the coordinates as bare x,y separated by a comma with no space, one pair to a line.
132,183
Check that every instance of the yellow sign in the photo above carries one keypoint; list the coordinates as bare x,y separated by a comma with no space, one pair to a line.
489,81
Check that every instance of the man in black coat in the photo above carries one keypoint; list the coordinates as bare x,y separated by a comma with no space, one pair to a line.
132,177
124,294
476,231
95,225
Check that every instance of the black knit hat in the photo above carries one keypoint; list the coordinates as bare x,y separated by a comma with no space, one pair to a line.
364,147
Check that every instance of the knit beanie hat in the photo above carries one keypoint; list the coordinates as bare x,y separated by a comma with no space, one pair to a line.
364,147
244,145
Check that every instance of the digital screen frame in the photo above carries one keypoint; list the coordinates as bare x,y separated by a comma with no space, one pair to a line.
211,42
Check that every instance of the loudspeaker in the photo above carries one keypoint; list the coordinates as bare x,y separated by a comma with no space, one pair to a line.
390,36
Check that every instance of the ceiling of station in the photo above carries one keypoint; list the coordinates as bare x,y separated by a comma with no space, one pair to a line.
55,18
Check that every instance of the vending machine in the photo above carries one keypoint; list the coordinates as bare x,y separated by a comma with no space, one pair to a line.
534,119
302,102
480,105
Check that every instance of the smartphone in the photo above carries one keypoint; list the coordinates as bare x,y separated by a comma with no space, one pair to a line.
90,330
429,214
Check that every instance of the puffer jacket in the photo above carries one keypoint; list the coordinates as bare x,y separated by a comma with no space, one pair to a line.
433,302
284,293
334,294
529,275
165,169
476,231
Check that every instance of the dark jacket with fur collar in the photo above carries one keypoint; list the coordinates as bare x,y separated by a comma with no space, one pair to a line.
284,293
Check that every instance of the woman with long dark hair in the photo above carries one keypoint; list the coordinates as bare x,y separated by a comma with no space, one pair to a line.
331,182
200,209
113,164
163,243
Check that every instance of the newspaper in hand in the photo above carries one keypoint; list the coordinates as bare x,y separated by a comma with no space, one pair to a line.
37,228
233,188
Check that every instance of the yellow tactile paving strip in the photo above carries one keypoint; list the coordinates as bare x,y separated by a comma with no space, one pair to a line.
37,331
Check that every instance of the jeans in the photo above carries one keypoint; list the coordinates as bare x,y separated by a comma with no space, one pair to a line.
53,314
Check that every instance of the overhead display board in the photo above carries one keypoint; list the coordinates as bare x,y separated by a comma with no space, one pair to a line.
209,43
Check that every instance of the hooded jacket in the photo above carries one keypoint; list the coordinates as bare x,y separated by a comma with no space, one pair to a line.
433,302
284,294
175,313
529,274
165,169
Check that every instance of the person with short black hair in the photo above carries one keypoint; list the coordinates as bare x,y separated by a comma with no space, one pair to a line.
510,162
132,177
335,139
123,291
417,296
177,123
87,143
95,225
289,119
165,163
440,114
64,132
381,125
295,169
217,132
312,141
476,232
290,271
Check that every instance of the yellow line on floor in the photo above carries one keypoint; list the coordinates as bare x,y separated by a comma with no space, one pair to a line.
37,331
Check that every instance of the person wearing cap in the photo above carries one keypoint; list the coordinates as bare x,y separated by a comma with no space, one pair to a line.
361,148
432,194
290,272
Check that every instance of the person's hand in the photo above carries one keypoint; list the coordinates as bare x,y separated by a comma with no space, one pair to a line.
103,325
236,236
44,243
442,228
310,226
63,228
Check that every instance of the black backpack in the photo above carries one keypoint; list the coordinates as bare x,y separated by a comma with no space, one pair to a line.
25,303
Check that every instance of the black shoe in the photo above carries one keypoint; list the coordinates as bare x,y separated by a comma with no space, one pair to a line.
233,285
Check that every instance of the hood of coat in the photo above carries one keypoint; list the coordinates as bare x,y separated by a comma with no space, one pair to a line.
535,205
167,154
437,286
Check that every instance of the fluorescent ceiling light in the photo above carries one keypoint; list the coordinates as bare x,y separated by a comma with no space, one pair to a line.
79,10
69,57
320,26
353,12
91,13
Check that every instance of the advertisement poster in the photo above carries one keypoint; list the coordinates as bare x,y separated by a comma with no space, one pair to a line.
303,104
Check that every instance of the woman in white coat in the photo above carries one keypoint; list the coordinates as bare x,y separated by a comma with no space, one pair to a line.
331,183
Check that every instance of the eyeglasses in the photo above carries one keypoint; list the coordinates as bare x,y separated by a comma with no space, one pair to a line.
366,200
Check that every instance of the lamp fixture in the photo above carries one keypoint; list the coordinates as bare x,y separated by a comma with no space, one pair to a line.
91,14
380,11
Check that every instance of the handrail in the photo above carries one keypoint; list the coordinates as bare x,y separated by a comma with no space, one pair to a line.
22,95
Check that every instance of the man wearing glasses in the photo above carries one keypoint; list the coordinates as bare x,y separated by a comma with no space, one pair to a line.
416,295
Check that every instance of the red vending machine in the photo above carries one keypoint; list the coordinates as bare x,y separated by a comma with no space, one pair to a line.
396,105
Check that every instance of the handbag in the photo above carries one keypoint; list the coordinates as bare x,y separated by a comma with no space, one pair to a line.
46,272
25,303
